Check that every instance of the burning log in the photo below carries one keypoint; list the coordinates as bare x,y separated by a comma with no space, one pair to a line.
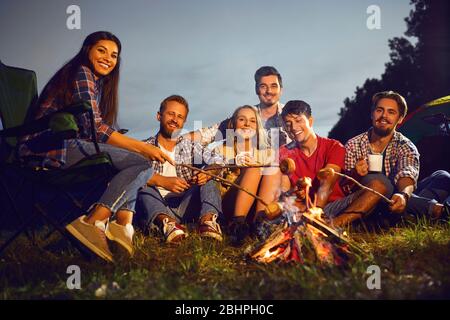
289,241
269,249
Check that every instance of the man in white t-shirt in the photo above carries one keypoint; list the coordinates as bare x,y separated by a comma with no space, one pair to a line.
176,194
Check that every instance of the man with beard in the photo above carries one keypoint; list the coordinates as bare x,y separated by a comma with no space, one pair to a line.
176,194
398,160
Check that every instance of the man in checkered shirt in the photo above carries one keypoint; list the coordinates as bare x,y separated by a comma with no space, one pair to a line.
176,194
398,172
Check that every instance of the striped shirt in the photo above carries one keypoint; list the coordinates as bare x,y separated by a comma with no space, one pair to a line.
401,158
43,148
187,152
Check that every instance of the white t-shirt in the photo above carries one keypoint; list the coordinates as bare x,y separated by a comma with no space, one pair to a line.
169,170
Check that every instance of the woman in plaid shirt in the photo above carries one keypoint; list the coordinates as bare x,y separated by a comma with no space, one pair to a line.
93,76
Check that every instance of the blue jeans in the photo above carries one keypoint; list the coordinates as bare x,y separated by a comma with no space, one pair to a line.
134,171
431,190
196,202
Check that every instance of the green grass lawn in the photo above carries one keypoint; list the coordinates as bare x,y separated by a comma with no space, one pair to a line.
414,261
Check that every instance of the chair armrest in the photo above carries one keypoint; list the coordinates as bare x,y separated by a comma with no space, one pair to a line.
43,123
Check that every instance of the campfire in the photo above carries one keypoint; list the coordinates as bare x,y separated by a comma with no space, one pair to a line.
302,237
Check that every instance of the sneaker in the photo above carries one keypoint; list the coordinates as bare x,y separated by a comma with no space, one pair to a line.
173,231
92,236
238,231
123,235
211,228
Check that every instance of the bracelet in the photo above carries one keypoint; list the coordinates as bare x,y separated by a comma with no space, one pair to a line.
406,195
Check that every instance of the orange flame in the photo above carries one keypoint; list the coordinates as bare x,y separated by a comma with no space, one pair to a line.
316,212
271,255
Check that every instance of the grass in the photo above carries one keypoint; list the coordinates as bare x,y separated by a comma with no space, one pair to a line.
413,259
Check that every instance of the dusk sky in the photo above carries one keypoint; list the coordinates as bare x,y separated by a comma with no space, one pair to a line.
208,51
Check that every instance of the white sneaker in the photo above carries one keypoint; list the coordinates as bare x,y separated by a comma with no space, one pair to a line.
92,236
123,235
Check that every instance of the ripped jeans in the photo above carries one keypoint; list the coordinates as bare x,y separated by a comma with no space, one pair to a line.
133,169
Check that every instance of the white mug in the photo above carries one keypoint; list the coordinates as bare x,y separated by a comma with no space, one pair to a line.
375,162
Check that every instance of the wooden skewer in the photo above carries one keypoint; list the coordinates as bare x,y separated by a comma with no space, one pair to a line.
330,171
235,166
286,166
224,181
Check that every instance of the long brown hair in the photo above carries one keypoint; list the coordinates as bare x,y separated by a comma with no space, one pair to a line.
60,86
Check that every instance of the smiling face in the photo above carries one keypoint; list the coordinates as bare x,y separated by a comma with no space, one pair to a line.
298,127
172,118
245,123
269,90
103,57
385,117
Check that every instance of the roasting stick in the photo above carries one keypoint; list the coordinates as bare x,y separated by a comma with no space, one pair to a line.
287,166
330,172
224,181
235,166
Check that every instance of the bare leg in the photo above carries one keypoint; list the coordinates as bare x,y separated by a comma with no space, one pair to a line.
250,178
268,190
124,217
99,213
362,206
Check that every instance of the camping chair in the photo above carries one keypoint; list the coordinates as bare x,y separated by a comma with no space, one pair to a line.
17,94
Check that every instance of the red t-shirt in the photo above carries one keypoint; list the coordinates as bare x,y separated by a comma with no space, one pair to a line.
328,151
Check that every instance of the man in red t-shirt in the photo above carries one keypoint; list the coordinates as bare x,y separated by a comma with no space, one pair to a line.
312,153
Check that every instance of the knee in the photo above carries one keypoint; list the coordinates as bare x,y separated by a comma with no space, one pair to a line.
146,192
211,186
147,173
441,175
381,184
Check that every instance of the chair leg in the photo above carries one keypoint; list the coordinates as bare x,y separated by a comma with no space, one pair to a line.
78,204
86,254
22,228
11,201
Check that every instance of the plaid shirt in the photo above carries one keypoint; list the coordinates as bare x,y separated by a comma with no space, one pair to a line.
401,156
210,134
42,148
187,152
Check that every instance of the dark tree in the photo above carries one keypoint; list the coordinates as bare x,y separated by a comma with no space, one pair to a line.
419,68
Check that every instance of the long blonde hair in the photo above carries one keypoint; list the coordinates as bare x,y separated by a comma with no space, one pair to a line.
262,141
